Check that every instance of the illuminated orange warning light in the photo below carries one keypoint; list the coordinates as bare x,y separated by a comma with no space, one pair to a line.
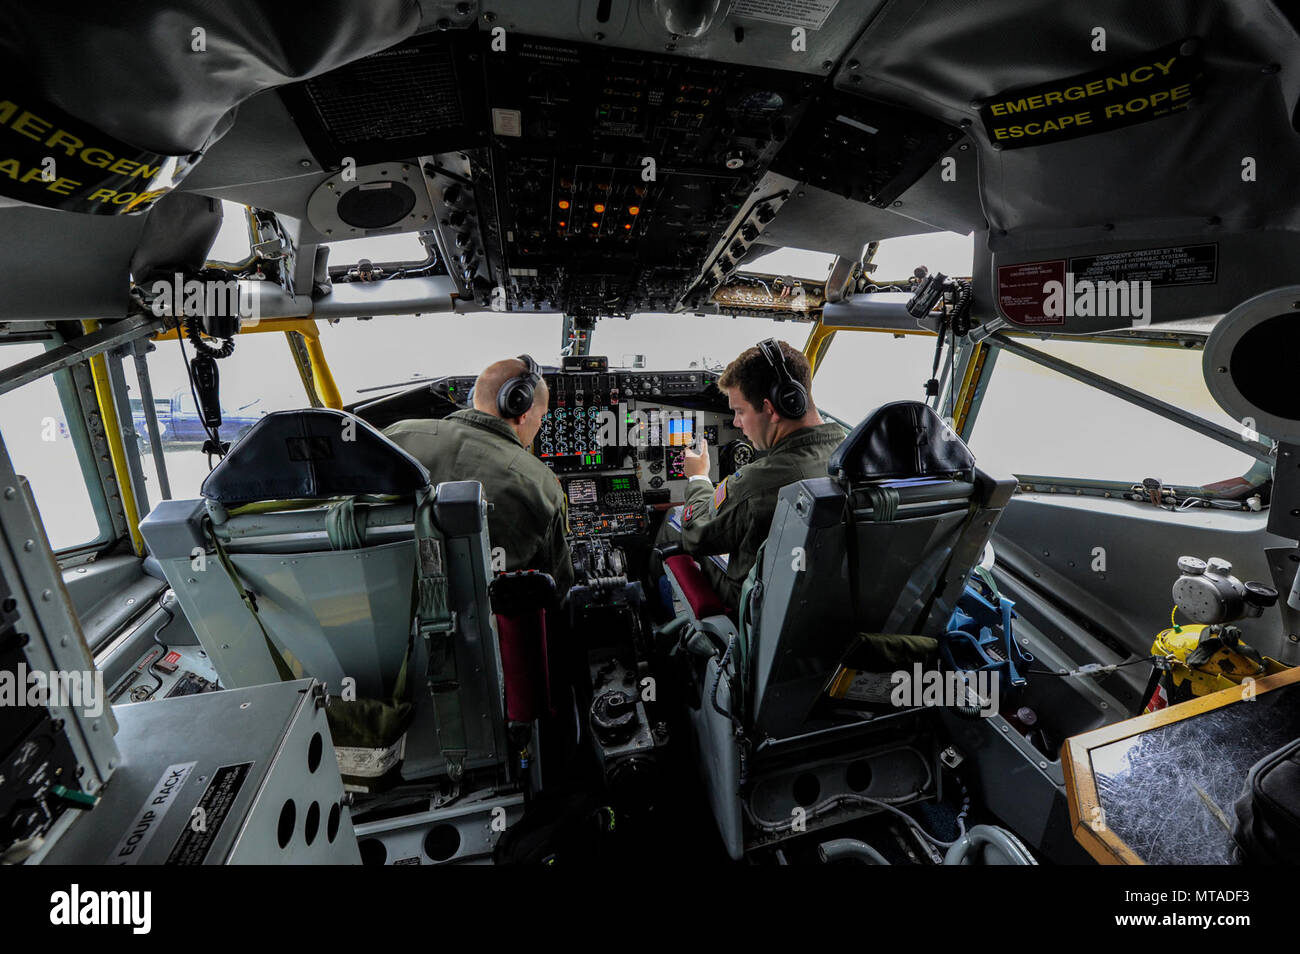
634,210
564,203
563,224
628,226
595,225
598,208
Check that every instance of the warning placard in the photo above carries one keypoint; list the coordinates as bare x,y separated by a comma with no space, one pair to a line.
1022,292
1176,265
214,805
1158,84
810,14
51,159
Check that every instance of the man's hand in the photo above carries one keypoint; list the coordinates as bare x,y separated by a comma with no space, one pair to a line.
694,464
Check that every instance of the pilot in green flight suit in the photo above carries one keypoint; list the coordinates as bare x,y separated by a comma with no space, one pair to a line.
490,443
768,389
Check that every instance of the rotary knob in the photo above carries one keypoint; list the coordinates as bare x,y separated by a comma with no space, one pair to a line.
1191,566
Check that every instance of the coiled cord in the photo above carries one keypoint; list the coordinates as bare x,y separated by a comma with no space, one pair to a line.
192,331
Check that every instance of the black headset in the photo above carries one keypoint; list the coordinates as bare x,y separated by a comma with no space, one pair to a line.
516,395
787,395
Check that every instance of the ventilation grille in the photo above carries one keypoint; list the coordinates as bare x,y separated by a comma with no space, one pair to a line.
394,95
420,98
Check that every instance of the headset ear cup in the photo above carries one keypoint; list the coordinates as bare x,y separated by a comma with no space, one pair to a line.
788,396
516,395
795,401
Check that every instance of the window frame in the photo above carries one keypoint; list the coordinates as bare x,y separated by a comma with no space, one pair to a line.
68,388
987,351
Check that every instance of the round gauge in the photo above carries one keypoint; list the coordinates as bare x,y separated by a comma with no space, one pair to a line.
656,482
656,466
560,413
761,105
742,453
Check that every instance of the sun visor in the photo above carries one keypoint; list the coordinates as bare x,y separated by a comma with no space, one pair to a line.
87,126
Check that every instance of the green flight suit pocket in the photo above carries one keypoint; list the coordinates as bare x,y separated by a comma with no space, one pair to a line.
370,735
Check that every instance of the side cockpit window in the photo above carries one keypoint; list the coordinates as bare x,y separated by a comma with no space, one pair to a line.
45,434
1036,422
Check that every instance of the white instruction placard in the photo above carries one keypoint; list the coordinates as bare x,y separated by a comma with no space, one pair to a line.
810,14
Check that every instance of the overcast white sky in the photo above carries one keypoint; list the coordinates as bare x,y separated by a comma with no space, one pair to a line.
1035,421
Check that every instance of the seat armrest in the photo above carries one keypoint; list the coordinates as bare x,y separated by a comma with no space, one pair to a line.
669,550
689,582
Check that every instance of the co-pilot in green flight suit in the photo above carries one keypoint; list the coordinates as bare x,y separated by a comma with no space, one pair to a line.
735,517
528,515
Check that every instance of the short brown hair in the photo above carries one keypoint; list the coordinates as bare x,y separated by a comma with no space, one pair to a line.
755,377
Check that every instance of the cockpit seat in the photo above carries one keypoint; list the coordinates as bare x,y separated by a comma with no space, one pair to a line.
882,545
320,518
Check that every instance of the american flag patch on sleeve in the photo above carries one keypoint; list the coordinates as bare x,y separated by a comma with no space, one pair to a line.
720,494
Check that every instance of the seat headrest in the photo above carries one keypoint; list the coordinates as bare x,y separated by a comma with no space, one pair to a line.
901,440
312,453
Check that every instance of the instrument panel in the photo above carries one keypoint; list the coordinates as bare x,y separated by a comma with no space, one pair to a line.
617,439
593,180
605,505
615,172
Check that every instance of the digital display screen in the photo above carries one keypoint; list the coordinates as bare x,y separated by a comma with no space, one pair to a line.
582,492
572,438
680,432
620,483
676,460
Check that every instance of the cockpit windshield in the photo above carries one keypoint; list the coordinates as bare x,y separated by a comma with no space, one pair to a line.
381,355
